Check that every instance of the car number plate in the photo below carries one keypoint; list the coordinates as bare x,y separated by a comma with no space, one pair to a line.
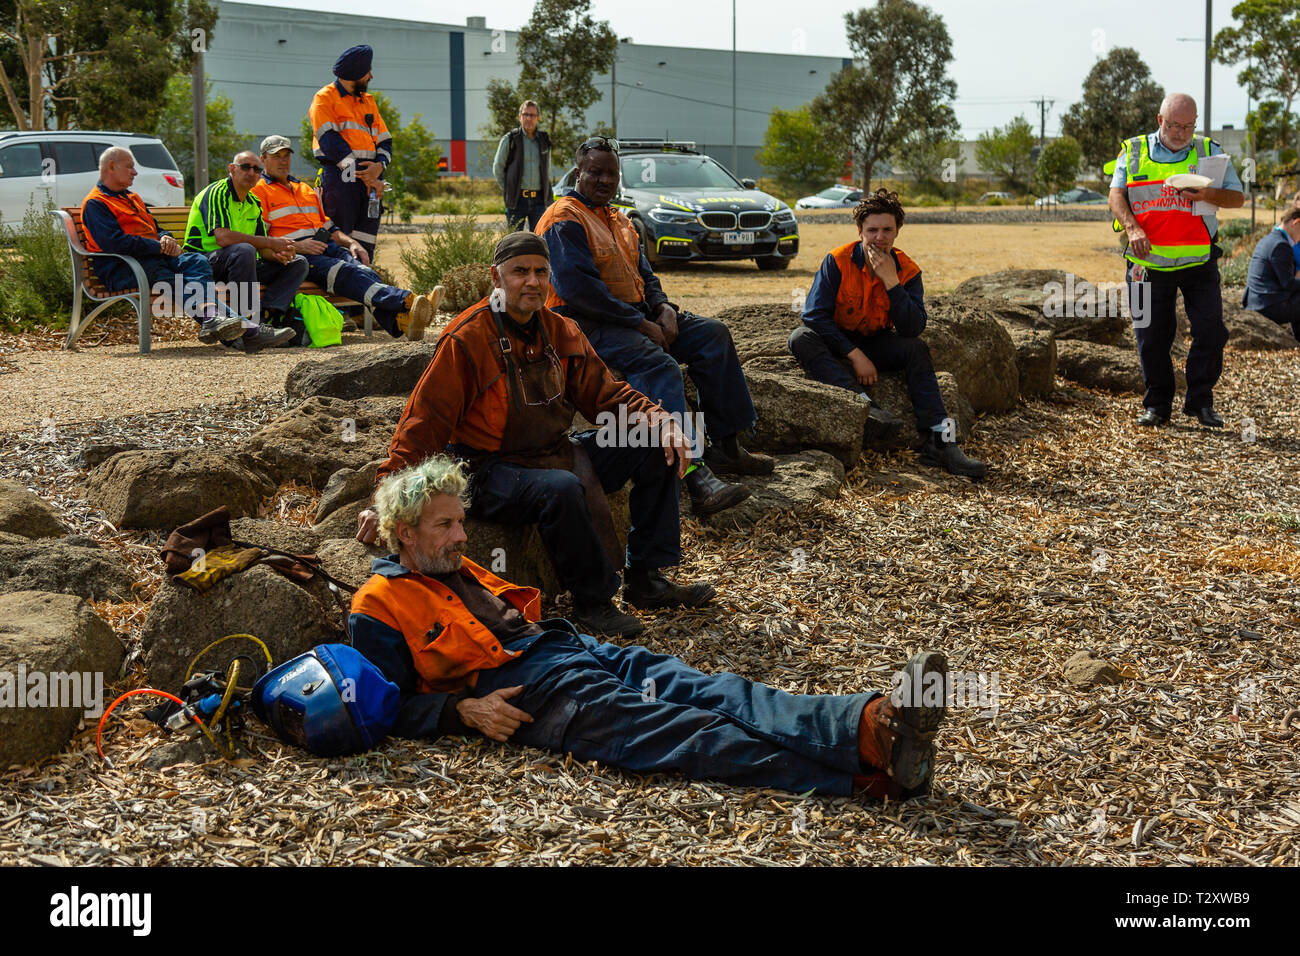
737,238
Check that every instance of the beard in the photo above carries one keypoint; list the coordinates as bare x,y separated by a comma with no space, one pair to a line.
444,562
360,87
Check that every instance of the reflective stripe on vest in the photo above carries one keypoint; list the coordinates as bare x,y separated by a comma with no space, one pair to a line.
291,209
448,644
862,303
128,210
613,242
1179,239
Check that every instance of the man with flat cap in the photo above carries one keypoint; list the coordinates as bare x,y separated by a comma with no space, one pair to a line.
500,394
353,146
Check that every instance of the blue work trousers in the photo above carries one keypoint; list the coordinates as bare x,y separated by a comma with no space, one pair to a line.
554,500
527,212
1155,323
189,266
704,346
347,204
335,271
631,708
888,352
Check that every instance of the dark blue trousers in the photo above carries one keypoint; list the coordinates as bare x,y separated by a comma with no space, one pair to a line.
553,499
1155,324
190,266
335,271
526,213
703,345
889,352
346,203
632,708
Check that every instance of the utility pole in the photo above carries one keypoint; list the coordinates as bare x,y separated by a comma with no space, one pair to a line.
735,145
1209,36
1044,104
200,120
613,86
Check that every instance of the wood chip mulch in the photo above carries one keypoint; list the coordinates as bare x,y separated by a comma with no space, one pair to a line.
1172,554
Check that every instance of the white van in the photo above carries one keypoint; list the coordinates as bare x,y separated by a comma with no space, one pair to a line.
64,166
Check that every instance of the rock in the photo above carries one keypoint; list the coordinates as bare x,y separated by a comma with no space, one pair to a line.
345,486
387,370
348,559
64,568
779,364
972,345
798,481
1107,367
795,414
272,534
761,330
289,618
890,393
167,488
1250,331
342,522
1054,300
23,512
325,434
50,635
1086,670
94,454
1035,361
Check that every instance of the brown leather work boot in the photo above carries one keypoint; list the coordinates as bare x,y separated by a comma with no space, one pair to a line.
896,732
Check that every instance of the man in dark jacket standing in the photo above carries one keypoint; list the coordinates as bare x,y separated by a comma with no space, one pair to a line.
1272,288
523,169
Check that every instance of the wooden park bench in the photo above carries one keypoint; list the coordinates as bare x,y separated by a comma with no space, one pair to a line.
87,286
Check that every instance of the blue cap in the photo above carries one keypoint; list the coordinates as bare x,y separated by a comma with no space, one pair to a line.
354,62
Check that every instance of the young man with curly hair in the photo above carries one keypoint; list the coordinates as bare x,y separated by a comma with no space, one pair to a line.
867,308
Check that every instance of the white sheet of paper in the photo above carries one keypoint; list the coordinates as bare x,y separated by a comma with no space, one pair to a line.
1215,167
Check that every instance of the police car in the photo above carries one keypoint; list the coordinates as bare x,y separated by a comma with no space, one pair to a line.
687,207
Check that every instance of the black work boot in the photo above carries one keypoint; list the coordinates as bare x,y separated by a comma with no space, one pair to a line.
605,620
710,494
650,589
726,457
946,454
882,418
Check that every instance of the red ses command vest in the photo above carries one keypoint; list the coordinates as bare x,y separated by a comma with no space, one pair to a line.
862,304
130,212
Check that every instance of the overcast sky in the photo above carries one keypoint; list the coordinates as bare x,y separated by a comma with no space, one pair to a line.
1006,53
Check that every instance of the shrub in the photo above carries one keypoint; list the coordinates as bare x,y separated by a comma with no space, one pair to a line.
1234,228
36,285
466,285
459,242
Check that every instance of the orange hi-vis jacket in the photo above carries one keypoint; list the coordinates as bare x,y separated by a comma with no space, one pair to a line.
862,303
334,110
614,246
448,643
292,209
130,212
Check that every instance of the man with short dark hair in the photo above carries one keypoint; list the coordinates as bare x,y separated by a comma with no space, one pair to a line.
601,278
1272,288
867,307
523,169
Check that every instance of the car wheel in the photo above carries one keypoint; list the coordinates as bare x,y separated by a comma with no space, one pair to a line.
773,263
646,246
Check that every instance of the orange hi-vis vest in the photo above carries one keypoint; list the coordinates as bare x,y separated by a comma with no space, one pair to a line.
130,212
862,303
613,242
291,209
448,644
333,109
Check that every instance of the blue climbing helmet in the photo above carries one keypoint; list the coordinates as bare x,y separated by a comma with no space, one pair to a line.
330,701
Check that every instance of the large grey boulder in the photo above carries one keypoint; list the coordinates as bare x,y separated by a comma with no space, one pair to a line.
274,534
1051,299
971,344
1250,331
65,653
348,559
342,521
289,618
795,414
388,370
322,435
1036,358
167,488
66,568
798,481
23,512
1107,367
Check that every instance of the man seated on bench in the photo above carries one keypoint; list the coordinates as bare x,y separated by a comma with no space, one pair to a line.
338,263
866,307
502,389
226,225
1272,288
116,220
468,654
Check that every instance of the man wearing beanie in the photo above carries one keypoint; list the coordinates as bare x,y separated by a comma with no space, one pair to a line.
353,146
500,394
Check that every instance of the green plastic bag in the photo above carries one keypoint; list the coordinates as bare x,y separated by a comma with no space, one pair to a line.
324,322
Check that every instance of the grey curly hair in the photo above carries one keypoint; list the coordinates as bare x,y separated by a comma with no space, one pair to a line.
402,495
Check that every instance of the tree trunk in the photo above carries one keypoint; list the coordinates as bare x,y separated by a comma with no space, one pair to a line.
35,63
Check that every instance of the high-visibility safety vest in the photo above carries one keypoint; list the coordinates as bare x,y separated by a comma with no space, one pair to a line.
291,209
128,209
1179,239
862,302
613,242
356,119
